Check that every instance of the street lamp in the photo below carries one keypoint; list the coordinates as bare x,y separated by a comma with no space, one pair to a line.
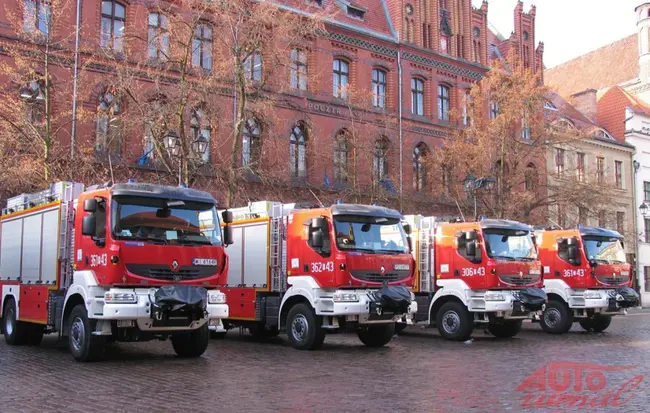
472,184
172,144
200,146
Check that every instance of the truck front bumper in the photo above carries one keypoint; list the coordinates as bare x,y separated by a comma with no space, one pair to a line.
138,311
364,310
606,301
502,304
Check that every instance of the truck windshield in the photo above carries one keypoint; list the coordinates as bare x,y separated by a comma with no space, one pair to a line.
509,245
604,250
370,234
165,221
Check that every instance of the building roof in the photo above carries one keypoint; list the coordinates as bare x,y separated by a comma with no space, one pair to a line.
375,19
605,67
612,107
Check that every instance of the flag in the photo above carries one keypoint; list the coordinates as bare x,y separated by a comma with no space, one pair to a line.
388,185
145,158
326,180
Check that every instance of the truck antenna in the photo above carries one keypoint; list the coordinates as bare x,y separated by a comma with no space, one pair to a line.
460,210
558,225
110,165
321,204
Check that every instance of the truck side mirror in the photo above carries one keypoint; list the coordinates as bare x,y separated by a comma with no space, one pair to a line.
572,249
471,235
470,248
90,205
407,229
317,240
89,225
319,223
228,238
227,217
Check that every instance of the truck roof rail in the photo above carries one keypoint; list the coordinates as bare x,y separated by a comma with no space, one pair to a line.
306,205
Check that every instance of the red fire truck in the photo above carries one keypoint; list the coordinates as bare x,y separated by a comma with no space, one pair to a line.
586,278
317,270
473,274
124,262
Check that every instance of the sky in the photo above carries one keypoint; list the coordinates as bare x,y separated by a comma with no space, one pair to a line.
569,28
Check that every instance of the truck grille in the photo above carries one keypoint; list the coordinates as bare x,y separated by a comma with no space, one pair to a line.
375,277
163,272
611,280
515,279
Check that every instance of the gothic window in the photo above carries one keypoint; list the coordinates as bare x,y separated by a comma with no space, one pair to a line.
341,153
297,151
109,126
379,161
419,167
251,143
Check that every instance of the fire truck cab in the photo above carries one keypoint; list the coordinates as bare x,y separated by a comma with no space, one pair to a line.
586,278
473,274
317,270
124,262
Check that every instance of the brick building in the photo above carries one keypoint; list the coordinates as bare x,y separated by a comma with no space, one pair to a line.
417,58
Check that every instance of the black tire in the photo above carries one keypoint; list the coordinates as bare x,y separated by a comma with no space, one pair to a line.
218,335
83,345
505,328
597,324
557,317
15,332
35,334
304,328
260,331
191,344
454,322
376,335
399,327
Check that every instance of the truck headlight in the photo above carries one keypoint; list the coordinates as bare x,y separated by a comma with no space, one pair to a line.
494,297
535,272
346,297
625,273
120,298
216,297
592,295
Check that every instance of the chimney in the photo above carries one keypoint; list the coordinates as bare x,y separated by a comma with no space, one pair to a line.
586,103
643,40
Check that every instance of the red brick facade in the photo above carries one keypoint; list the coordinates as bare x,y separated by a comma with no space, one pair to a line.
441,42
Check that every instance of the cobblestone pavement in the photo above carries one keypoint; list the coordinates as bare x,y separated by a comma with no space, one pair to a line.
417,372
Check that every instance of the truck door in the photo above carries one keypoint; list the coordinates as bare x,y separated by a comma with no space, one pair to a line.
469,257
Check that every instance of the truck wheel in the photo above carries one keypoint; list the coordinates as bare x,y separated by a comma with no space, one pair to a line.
304,328
454,322
260,331
192,343
35,334
83,345
505,328
597,324
15,331
399,327
557,318
376,335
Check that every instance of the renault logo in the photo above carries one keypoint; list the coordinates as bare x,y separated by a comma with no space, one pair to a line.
379,311
175,265
382,270
521,274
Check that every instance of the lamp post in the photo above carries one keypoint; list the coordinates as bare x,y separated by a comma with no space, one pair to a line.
472,184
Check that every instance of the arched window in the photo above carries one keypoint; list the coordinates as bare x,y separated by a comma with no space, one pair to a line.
297,151
443,102
341,77
419,167
530,177
109,126
36,18
202,46
158,36
417,96
200,130
251,143
379,161
476,43
494,110
33,94
112,27
379,88
341,152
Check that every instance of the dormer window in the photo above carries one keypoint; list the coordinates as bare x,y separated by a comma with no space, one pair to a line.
356,13
601,133
548,105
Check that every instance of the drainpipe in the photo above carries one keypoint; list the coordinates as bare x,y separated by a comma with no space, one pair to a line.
74,85
635,211
401,133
